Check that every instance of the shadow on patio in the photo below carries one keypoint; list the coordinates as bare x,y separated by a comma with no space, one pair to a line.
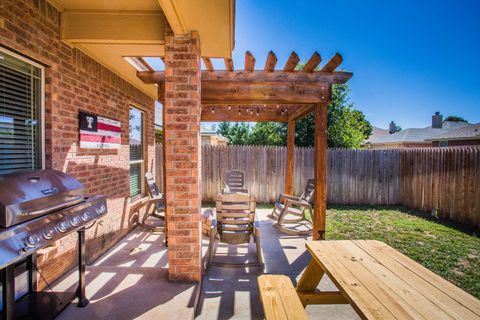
131,282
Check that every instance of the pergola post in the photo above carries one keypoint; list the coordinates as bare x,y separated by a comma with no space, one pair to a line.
289,170
320,172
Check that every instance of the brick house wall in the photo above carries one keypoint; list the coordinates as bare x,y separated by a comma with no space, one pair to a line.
74,82
456,143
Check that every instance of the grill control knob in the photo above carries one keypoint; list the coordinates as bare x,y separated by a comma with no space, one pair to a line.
86,216
32,241
62,226
48,233
75,221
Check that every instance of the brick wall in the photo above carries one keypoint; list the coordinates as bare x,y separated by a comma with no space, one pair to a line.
182,155
75,82
456,143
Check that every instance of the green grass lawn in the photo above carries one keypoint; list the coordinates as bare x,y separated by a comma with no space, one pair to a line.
444,247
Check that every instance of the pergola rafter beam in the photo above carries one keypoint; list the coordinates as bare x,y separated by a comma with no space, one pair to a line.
208,64
292,62
314,61
298,89
271,62
249,61
228,64
333,63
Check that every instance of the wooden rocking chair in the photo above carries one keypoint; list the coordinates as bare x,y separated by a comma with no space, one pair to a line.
234,182
234,224
288,205
157,201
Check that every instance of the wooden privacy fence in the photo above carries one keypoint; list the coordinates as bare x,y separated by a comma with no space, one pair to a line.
446,180
354,176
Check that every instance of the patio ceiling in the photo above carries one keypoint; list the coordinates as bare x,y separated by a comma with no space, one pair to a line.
111,30
262,95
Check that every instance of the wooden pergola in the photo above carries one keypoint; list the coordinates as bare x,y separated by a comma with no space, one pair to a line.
271,95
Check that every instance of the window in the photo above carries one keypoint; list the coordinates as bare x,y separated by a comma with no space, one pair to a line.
136,152
443,143
21,101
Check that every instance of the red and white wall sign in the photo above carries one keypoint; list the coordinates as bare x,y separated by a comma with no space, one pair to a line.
98,132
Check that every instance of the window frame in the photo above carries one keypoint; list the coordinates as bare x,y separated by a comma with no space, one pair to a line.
41,137
443,143
143,148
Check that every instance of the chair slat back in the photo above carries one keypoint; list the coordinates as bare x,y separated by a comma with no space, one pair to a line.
234,181
234,217
152,187
307,195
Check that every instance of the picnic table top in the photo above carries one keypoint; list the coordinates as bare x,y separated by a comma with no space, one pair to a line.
382,283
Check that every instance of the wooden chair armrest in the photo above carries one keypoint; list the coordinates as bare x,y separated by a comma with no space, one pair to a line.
287,197
298,203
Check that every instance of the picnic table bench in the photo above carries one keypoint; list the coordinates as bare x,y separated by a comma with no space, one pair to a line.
376,280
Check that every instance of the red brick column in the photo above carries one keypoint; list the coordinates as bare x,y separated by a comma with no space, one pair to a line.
182,155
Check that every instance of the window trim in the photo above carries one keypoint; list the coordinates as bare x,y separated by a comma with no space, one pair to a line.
143,160
41,138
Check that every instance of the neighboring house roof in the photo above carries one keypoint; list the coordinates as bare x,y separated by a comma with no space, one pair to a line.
465,133
376,134
204,131
417,135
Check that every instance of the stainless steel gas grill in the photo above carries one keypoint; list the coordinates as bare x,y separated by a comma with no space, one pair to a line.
36,209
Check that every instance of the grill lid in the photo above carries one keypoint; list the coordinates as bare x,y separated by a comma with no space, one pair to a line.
25,195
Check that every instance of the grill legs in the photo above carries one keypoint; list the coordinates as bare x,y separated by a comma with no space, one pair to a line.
82,300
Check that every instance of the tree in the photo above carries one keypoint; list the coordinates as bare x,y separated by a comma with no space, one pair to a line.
158,135
224,129
268,134
237,134
455,119
346,126
397,128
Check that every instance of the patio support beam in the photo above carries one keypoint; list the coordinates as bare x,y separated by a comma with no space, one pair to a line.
112,27
318,78
182,110
320,172
301,112
289,168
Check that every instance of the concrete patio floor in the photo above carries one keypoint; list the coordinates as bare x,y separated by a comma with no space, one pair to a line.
130,281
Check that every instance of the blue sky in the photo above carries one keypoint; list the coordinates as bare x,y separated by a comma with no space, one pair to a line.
409,58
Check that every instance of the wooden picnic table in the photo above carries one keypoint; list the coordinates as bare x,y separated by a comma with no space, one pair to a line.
381,283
